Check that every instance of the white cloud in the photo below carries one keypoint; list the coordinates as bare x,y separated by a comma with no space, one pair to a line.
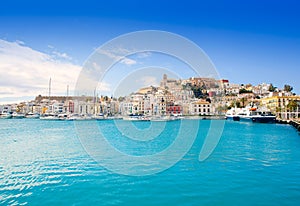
64,56
145,54
25,72
148,81
128,61
118,55
50,46
20,42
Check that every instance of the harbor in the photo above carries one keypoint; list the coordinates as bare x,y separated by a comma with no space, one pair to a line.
150,103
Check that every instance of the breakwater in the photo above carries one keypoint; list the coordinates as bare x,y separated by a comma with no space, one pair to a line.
294,123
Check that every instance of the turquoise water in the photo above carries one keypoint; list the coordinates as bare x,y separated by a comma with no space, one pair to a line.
44,163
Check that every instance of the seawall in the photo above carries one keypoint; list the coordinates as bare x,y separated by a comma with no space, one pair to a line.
294,123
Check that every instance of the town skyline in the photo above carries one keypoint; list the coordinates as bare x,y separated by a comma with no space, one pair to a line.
195,96
154,83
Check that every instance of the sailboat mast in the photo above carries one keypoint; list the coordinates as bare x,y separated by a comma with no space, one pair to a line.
67,98
67,92
95,101
49,88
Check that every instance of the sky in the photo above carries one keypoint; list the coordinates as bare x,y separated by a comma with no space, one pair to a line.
247,41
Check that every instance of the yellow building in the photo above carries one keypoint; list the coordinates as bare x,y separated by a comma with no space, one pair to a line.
278,103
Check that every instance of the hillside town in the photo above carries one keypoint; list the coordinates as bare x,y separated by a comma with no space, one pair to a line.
196,96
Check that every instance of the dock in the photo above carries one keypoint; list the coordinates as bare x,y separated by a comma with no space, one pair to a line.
294,123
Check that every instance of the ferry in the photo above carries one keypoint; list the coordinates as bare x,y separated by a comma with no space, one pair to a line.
250,114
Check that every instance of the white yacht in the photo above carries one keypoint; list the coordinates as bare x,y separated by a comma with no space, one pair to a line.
32,115
49,116
164,118
136,118
17,115
252,114
98,116
5,115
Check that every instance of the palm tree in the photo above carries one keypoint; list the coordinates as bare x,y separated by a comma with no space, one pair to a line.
288,88
243,100
272,88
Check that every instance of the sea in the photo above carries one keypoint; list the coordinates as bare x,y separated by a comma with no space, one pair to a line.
51,163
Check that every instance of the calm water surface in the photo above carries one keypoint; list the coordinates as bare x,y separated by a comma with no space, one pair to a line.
43,163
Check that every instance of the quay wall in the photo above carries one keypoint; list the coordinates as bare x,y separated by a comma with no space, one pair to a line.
294,123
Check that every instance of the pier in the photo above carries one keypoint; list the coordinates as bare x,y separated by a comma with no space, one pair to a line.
294,123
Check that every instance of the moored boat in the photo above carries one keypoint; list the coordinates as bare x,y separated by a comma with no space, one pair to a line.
5,115
136,118
98,117
17,115
164,118
251,114
32,115
49,116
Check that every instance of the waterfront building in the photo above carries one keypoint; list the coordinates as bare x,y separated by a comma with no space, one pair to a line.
201,107
5,109
126,108
175,110
280,105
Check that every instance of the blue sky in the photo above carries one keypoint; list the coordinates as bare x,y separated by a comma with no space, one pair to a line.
248,41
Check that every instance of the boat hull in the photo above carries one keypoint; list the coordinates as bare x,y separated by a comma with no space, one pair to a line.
5,116
255,119
264,120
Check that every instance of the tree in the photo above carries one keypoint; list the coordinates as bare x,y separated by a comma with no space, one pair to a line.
243,100
235,104
287,88
292,105
272,88
197,91
243,90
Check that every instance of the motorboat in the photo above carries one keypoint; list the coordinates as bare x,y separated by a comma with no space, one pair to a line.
164,118
136,118
17,115
49,116
32,115
251,114
5,115
98,117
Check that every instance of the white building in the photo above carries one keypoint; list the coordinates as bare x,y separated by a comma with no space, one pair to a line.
5,109
201,107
